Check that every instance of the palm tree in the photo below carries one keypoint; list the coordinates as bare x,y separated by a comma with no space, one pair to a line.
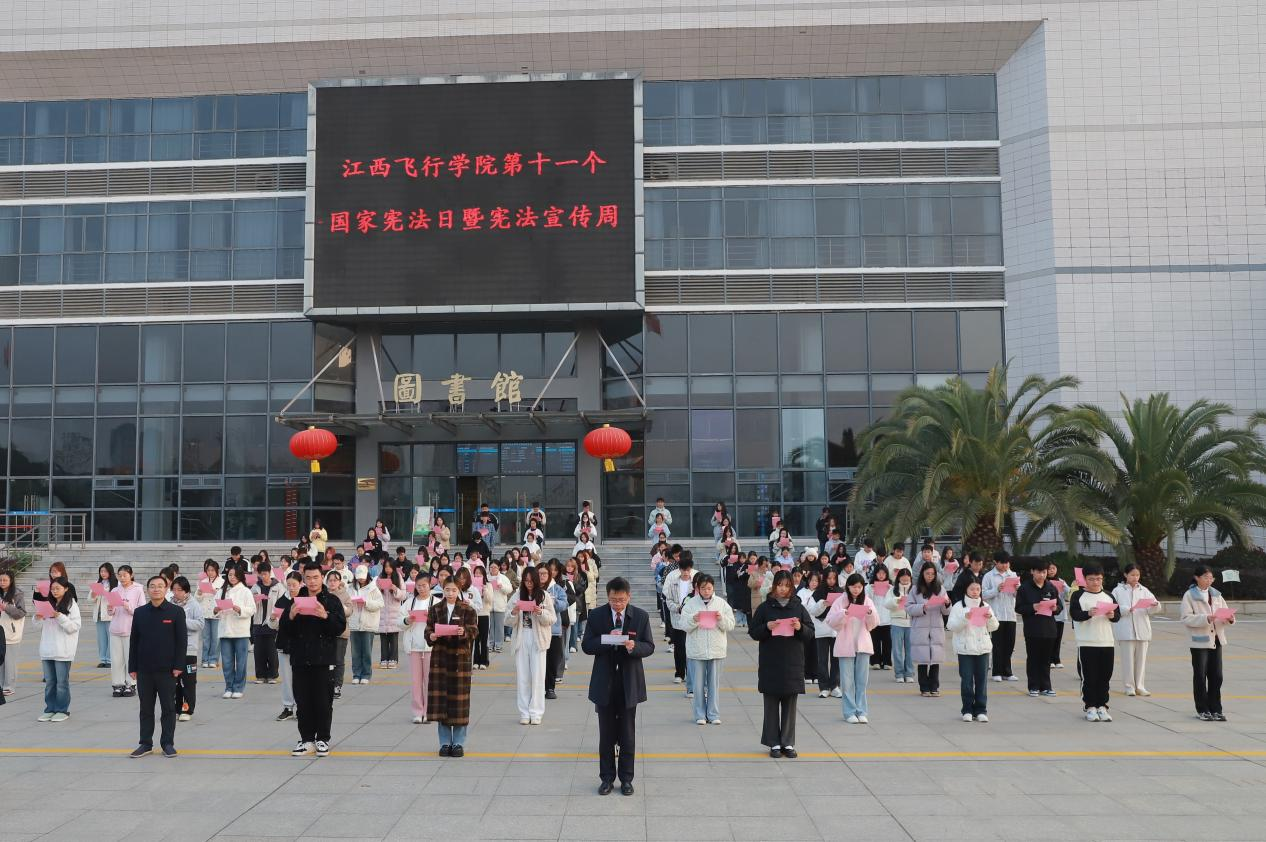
1173,469
960,457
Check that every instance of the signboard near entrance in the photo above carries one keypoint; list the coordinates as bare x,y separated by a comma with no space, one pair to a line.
441,196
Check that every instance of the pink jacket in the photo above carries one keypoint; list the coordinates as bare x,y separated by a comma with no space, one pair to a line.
852,635
121,622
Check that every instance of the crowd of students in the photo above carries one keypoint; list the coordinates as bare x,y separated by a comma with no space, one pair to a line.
829,619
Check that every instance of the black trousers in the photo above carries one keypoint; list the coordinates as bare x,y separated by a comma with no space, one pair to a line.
340,661
678,638
1206,682
162,685
779,727
810,660
1003,647
481,642
1095,663
553,662
929,678
266,663
881,636
314,698
1059,639
617,726
187,686
828,664
1037,664
389,646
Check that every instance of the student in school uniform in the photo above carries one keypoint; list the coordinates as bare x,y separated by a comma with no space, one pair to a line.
818,605
780,663
1039,628
416,645
999,588
927,628
972,645
1134,632
1061,618
881,634
1200,605
1095,642
895,605
853,646
706,646
187,682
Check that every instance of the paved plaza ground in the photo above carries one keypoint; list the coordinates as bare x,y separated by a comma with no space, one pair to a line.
1037,771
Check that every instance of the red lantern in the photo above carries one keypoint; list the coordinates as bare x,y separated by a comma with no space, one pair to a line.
313,444
390,462
608,443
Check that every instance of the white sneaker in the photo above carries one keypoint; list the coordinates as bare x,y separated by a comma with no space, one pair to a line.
967,717
1057,666
237,695
701,722
837,693
536,721
1104,716
60,717
573,648
715,722
227,695
1129,691
676,680
184,717
1092,715
322,748
303,749
523,720
1012,678
982,717
356,681
364,681
1143,691
824,694
852,720
861,720
997,678
417,720
45,717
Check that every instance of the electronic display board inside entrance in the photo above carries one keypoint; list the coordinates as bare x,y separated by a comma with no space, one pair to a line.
471,194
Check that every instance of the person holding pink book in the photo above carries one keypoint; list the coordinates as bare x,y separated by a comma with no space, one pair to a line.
819,602
708,621
413,614
121,608
853,616
1134,632
927,605
1206,616
972,624
780,625
895,603
451,628
532,619
881,634
234,607
1093,612
59,638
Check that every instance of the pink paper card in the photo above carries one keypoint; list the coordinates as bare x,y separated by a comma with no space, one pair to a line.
951,566
1145,603
279,573
477,582
526,606
114,599
775,520
901,601
753,569
41,587
307,604
418,616
260,597
98,589
250,579
384,585
224,605
881,588
1045,607
1010,585
1079,577
205,587
1224,614
832,598
707,619
938,599
358,600
44,609
856,612
782,628
1060,587
446,630
1103,609
978,616
277,612
410,586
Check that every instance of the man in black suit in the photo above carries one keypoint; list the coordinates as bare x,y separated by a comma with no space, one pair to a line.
617,682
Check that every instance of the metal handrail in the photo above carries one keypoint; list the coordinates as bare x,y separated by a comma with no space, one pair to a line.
53,529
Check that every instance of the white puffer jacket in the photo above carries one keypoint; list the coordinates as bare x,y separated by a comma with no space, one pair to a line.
1134,625
367,617
59,637
969,639
707,644
232,624
415,633
676,590
543,619
818,611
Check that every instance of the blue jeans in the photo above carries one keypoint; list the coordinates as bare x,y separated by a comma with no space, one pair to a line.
452,735
740,619
56,686
973,677
705,675
855,673
103,641
362,654
496,629
901,663
210,641
233,662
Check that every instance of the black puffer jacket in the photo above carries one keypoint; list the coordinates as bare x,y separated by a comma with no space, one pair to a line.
311,640
780,665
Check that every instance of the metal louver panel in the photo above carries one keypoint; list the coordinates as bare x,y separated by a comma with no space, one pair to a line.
153,181
166,300
826,288
821,163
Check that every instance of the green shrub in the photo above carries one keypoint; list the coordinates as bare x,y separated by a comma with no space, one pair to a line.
1239,558
1252,584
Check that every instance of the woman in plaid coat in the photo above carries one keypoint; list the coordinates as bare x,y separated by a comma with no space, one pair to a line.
448,692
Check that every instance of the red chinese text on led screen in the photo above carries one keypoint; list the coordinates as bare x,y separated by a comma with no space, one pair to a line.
455,166
392,220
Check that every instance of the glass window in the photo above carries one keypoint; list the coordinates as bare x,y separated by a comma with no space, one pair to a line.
845,341
971,93
477,354
801,389
711,391
202,448
665,343
923,93
477,460
259,111
891,346
754,338
935,341
32,355
521,352
981,338
711,439
248,351
521,458
847,389
698,99
76,354
803,444
72,447
245,444
884,388
756,390
804,486
75,400
116,446
756,438
159,448
173,115
204,352
667,440
710,342
834,96
129,116
800,342
120,526
291,357
160,358
659,99
556,344
72,494
844,426
117,350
